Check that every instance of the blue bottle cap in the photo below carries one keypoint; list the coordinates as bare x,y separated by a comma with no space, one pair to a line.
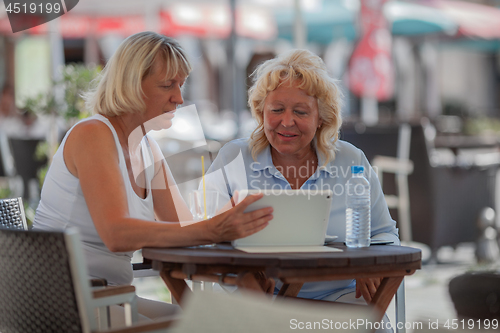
357,169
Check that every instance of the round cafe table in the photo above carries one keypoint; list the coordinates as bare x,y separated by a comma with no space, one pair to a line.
223,264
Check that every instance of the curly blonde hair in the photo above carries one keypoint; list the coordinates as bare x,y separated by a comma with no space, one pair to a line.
119,86
309,71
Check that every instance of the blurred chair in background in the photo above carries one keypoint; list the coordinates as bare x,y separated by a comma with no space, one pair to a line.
476,295
448,187
27,166
9,181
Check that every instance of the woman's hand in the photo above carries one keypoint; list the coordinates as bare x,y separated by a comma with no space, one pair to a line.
367,287
235,224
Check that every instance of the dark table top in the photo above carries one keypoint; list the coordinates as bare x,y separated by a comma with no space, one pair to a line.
225,254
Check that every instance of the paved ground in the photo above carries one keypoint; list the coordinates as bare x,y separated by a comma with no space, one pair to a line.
427,297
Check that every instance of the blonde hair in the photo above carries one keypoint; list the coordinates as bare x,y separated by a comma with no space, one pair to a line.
119,86
310,72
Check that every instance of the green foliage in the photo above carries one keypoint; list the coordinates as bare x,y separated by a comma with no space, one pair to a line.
42,149
455,108
41,152
41,173
29,212
482,126
76,79
5,192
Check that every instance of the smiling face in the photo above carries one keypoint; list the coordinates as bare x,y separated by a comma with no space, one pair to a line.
291,119
161,95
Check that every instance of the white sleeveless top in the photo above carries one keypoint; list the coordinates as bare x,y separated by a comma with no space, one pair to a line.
63,205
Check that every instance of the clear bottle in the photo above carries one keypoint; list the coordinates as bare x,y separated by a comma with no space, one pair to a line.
358,219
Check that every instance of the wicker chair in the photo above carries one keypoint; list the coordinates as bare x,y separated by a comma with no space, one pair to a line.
12,214
44,286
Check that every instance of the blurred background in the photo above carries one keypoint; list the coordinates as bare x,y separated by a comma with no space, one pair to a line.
421,86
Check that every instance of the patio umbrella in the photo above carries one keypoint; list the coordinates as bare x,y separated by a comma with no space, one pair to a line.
335,19
331,20
411,19
474,20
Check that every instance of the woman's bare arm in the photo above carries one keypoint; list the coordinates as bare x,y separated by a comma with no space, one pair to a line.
90,155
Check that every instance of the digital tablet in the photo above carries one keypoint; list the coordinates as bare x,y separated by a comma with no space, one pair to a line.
300,218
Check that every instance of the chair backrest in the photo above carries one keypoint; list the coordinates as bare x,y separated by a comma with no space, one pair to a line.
43,285
421,185
380,140
26,166
225,312
3,173
7,168
12,214
377,140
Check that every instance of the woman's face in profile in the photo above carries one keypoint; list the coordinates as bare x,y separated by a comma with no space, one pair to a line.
291,119
161,96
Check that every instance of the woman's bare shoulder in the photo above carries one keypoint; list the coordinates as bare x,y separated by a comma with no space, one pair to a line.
90,131
91,137
90,126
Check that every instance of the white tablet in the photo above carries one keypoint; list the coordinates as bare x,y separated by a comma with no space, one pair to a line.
300,218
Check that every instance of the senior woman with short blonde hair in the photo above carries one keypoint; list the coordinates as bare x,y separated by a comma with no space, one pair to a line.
295,146
91,184
314,80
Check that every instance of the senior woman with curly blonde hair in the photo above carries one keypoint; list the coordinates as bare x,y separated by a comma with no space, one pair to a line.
296,146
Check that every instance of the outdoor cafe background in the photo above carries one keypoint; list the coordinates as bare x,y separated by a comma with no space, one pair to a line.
397,61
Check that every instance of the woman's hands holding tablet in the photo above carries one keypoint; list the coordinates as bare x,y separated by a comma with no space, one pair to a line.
234,223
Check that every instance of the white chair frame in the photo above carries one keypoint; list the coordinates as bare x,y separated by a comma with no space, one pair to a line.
401,166
87,300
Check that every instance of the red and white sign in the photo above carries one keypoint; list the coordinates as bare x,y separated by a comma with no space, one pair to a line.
371,73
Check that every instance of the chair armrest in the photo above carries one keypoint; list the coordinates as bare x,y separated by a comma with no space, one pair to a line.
393,165
142,327
115,295
98,283
112,291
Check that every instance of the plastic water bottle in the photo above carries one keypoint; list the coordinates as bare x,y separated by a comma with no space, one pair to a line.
358,219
